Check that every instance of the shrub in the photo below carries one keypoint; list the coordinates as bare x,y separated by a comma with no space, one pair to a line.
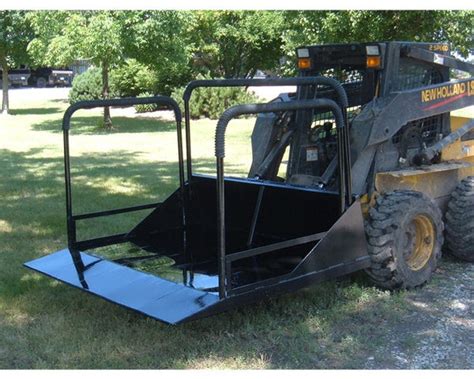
212,102
86,86
142,108
128,80
133,78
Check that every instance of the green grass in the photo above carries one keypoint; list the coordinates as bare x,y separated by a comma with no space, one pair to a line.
44,324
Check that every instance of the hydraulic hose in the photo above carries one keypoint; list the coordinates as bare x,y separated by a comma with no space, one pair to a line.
427,155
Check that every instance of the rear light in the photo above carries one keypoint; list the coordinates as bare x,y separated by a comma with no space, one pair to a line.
373,62
304,63
373,56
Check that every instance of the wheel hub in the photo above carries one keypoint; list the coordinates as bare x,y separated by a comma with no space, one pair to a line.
419,243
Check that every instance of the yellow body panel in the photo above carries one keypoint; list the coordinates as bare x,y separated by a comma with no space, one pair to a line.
438,180
461,150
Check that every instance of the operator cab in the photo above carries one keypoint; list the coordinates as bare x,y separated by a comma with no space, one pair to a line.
312,152
366,71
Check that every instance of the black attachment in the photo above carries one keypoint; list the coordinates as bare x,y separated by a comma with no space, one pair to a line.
239,110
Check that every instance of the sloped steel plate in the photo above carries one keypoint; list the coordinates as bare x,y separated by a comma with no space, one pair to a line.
150,295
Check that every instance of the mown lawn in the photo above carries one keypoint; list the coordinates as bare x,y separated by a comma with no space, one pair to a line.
44,324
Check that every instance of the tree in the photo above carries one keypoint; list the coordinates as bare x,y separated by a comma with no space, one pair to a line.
159,40
108,38
15,33
63,37
235,44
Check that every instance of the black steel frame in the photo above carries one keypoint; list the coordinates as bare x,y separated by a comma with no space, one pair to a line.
341,97
73,244
224,262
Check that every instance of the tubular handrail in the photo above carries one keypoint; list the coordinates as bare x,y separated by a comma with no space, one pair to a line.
221,127
123,102
297,81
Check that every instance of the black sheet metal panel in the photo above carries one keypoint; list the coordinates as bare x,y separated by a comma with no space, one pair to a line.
147,294
286,212
345,242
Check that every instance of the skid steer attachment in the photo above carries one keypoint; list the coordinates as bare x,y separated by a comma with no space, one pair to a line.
219,242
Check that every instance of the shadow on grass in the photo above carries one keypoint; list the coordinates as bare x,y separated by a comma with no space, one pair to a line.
88,125
35,111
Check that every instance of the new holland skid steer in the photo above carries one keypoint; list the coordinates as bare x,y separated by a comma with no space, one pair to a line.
361,168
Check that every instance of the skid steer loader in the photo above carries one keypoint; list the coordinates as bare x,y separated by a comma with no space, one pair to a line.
352,171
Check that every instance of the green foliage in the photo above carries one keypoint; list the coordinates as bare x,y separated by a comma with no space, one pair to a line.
143,108
15,33
133,78
87,86
159,39
235,44
212,102
55,42
102,42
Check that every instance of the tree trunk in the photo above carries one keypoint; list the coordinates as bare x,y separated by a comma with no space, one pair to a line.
105,95
5,103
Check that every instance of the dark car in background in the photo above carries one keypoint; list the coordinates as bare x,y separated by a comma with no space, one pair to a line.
17,77
46,76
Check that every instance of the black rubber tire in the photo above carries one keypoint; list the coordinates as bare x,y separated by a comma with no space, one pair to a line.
41,82
387,228
460,221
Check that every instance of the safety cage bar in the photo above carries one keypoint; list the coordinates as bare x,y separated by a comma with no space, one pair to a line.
341,97
225,261
66,125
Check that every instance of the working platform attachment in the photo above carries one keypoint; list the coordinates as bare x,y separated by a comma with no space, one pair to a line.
290,247
217,242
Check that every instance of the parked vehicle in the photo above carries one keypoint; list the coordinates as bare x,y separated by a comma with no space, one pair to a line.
17,77
46,76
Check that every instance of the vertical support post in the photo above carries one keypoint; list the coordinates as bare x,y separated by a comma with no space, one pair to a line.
221,227
181,180
71,224
341,164
180,154
348,161
187,125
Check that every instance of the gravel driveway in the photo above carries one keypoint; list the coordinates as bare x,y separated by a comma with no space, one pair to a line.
437,330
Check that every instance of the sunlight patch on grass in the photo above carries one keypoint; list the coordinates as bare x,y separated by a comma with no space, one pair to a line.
115,186
5,226
233,363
